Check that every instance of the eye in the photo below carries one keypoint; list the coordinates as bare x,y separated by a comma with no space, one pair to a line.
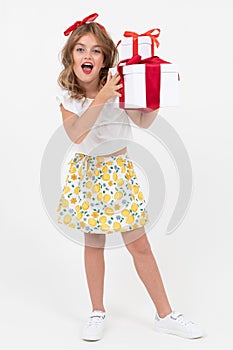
79,49
96,50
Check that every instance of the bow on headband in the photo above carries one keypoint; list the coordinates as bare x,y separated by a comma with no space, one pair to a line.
77,24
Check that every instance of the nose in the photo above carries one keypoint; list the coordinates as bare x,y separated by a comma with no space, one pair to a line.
87,54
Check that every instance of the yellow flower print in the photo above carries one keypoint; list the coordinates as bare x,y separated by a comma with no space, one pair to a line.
134,207
59,208
76,190
80,170
114,176
88,166
105,169
74,177
120,182
67,178
127,176
82,224
140,196
64,203
95,214
142,221
118,195
85,205
105,177
130,219
135,226
117,207
67,219
131,173
89,174
96,172
77,208
109,163
125,212
98,165
89,195
71,225
92,222
81,177
88,184
99,196
105,227
66,189
117,226
96,188
79,215
106,198
73,200
123,169
130,165
120,161
135,189
102,219
110,183
72,169
99,159
108,211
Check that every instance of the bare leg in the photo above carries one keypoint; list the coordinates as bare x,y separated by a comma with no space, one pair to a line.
95,268
147,269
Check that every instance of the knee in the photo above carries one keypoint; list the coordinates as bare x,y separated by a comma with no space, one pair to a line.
94,241
139,247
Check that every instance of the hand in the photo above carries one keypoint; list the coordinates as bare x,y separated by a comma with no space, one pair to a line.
110,89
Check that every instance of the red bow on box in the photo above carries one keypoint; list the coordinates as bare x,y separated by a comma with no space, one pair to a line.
77,24
135,36
153,76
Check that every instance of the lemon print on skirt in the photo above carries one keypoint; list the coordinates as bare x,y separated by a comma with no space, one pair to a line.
102,195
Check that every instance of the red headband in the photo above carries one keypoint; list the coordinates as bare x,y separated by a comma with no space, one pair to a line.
77,24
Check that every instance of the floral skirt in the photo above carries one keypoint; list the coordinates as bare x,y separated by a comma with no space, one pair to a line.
101,195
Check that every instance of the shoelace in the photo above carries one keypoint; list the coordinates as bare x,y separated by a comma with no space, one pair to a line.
180,318
95,321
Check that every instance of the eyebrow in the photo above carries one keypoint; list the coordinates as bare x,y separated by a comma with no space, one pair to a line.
85,45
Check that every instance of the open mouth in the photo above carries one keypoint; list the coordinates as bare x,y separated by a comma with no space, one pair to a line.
87,68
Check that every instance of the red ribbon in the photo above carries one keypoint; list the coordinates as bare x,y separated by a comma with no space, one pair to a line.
152,80
77,24
135,36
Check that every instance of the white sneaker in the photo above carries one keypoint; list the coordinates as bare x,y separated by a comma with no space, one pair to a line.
93,329
176,324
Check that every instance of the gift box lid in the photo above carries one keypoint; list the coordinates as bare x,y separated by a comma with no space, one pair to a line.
140,68
144,39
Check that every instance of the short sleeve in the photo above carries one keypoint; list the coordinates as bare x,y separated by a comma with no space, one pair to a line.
63,96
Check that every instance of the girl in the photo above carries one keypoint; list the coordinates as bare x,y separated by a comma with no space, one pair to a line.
101,194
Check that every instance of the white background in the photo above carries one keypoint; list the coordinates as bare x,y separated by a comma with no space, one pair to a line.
44,297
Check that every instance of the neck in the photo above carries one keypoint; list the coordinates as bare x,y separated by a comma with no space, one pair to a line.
91,88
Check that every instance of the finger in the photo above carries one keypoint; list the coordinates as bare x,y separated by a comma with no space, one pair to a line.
117,75
109,77
119,86
117,94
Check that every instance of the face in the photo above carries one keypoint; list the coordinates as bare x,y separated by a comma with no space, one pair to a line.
88,59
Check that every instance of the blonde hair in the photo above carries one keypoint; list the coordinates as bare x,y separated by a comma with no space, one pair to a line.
67,78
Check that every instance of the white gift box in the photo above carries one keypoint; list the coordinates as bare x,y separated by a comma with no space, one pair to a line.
144,47
135,85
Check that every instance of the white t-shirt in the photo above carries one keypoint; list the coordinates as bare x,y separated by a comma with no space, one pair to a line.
111,132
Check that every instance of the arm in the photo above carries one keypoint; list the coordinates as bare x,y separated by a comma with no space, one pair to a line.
77,127
143,120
